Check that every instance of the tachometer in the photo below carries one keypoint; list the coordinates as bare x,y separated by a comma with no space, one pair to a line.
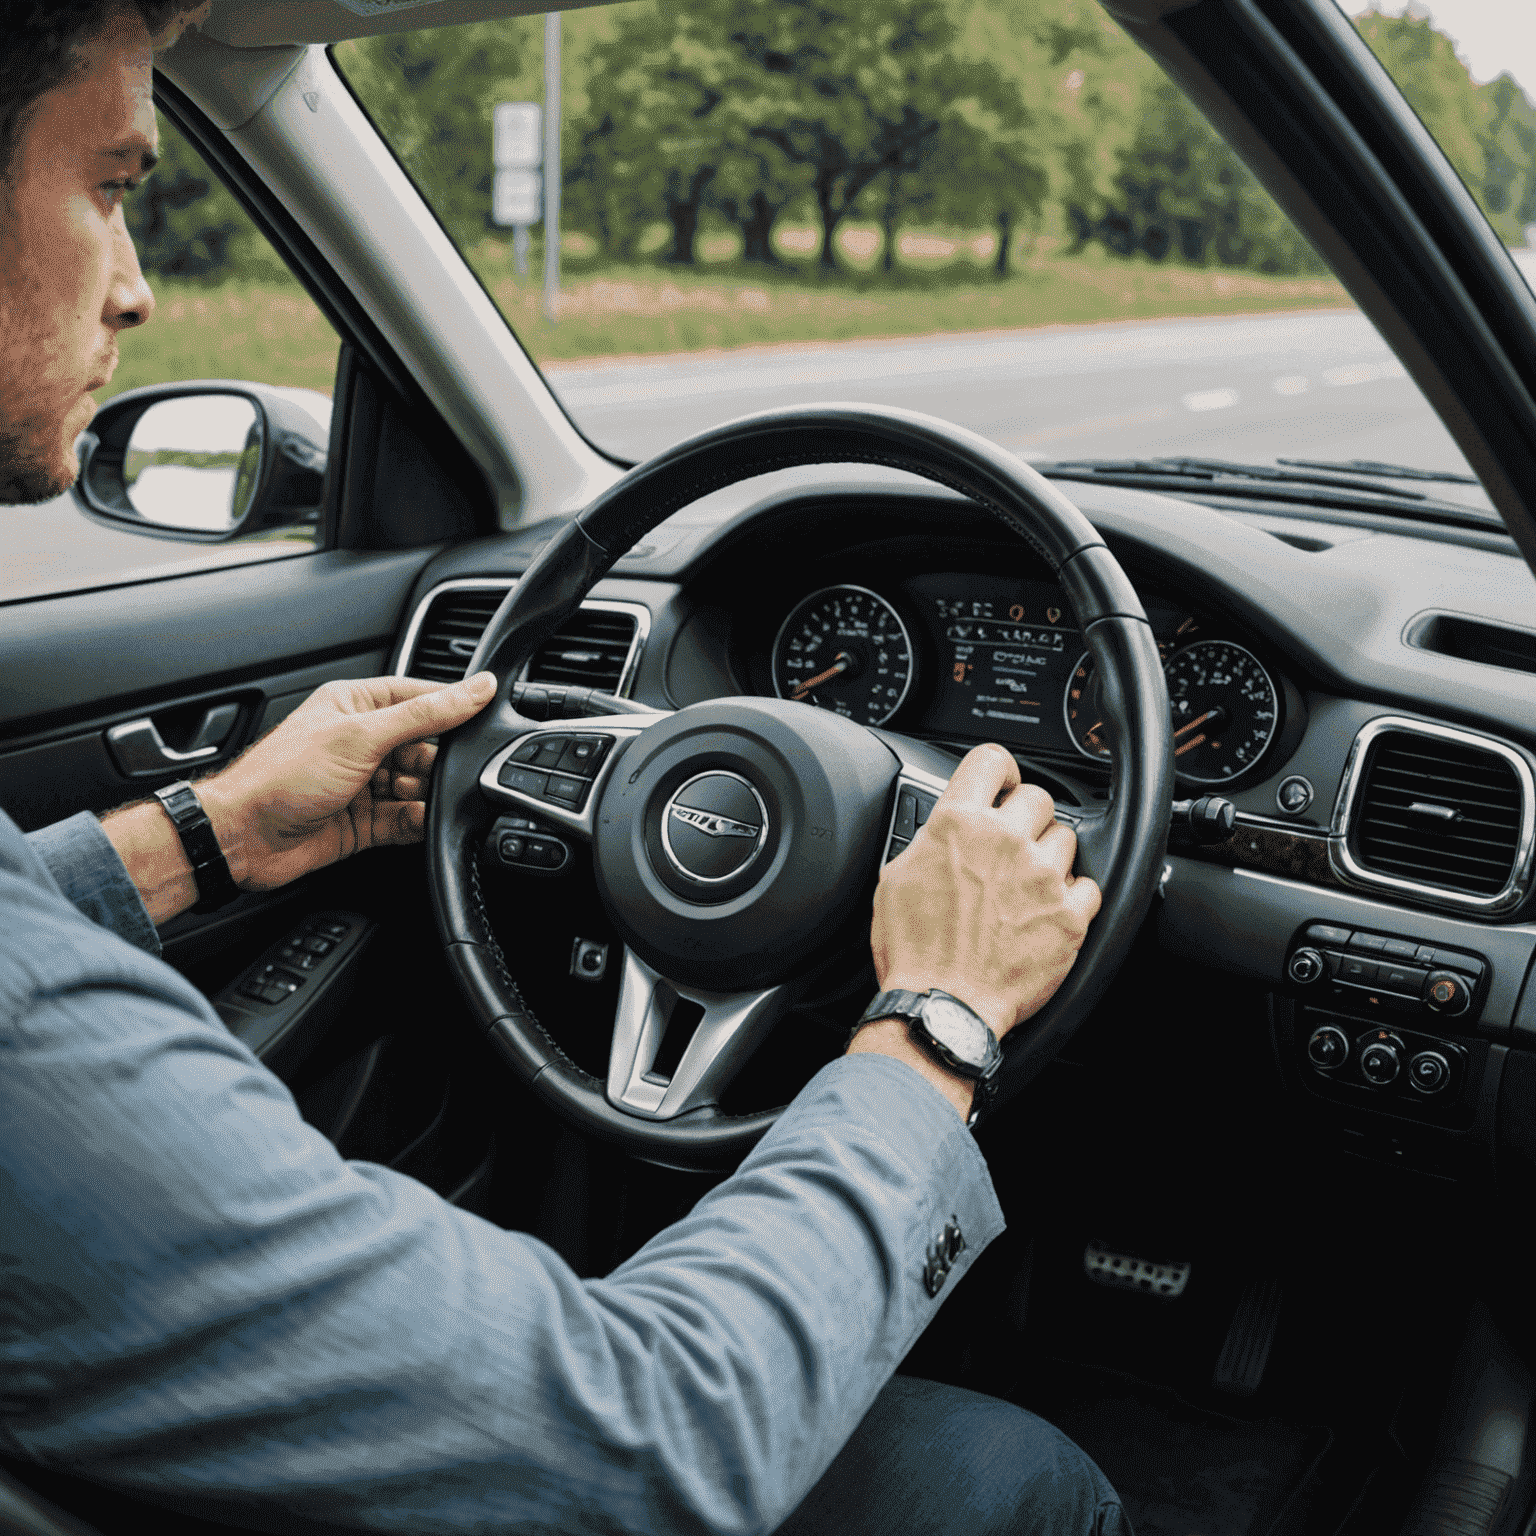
1225,710
845,649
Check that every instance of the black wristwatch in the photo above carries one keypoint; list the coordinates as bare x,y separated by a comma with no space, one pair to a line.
215,885
954,1035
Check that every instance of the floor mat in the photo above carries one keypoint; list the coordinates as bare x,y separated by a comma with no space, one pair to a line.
1180,1470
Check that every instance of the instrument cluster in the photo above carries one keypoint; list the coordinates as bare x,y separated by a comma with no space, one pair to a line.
972,656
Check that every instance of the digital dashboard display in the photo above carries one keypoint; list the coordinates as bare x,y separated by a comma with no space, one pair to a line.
1005,651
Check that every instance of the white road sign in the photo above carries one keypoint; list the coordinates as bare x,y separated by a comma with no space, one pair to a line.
517,197
515,137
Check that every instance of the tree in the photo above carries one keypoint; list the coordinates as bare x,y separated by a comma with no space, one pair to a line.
1509,159
849,90
431,94
1488,132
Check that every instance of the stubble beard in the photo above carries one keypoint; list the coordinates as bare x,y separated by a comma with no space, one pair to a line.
37,458
28,472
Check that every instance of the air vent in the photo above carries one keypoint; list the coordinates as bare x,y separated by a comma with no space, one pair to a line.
1440,812
597,649
448,634
592,651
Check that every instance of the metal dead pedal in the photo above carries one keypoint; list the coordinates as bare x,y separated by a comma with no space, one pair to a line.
1125,1272
1240,1365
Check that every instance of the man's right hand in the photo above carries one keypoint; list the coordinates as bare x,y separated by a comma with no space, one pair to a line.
983,904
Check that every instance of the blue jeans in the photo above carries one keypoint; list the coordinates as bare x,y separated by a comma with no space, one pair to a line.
931,1460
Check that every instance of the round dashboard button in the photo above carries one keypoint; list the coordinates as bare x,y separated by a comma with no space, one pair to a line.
1294,795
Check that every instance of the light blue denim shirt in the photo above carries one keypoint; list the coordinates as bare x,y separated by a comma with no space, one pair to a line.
201,1302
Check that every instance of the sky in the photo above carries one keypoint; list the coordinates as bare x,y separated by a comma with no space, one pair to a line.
1492,36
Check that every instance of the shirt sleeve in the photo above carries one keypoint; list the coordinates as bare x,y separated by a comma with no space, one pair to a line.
207,1306
89,871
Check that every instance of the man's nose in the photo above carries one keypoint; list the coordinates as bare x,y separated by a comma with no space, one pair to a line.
129,301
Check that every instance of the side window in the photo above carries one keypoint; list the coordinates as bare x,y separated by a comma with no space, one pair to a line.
226,307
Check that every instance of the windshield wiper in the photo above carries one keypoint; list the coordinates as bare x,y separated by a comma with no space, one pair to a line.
1322,487
1386,471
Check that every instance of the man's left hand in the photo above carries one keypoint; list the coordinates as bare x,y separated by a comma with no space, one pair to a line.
347,770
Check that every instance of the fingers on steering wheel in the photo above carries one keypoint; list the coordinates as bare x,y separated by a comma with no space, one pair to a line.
1056,847
984,773
1029,809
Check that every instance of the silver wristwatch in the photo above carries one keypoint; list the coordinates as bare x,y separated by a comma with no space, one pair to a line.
954,1035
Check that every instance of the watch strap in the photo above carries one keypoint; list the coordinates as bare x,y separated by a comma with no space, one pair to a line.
899,1003
215,885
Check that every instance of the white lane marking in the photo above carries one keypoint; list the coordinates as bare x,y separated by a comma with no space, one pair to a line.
1363,373
1209,399
1292,384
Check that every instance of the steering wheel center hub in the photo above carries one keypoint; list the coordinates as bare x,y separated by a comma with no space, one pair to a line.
736,842
714,828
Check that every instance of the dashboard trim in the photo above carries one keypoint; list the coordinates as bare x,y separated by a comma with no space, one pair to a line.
1348,868
504,584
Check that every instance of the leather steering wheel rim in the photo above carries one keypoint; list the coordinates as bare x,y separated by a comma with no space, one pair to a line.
1122,849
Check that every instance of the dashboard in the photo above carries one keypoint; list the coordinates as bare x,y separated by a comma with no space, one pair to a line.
1358,690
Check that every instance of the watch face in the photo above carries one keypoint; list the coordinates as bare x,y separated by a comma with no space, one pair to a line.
956,1028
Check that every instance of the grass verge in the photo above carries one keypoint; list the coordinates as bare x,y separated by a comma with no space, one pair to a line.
276,335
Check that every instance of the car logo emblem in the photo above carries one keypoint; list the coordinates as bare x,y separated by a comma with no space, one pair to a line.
714,827
711,825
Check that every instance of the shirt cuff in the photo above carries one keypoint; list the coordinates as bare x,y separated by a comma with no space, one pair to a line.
92,876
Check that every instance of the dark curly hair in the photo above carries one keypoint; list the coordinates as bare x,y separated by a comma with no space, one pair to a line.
39,42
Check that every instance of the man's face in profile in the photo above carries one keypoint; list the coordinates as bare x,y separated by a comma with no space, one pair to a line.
69,276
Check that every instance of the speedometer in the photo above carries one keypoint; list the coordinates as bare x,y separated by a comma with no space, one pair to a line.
845,649
1225,710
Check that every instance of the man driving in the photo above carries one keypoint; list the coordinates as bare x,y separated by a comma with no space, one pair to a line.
203,1306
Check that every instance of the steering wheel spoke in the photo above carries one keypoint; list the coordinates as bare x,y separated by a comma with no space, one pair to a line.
557,770
726,1028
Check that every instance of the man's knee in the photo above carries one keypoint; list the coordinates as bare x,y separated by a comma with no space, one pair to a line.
942,1461
1019,1474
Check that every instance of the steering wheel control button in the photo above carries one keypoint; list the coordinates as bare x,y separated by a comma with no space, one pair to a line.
583,755
1294,795
541,751
524,780
1328,1048
1306,967
566,791
1447,993
714,827
1429,1072
906,815
898,846
1380,1061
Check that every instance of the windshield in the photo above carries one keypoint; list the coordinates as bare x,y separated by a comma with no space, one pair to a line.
1001,213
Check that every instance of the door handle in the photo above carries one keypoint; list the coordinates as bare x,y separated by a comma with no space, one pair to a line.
139,750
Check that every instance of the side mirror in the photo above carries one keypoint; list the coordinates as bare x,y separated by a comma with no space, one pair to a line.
207,461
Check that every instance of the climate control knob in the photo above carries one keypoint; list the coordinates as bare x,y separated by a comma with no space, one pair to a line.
1447,993
1328,1047
1380,1062
1306,966
1429,1071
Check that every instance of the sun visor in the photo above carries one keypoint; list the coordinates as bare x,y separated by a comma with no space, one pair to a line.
273,23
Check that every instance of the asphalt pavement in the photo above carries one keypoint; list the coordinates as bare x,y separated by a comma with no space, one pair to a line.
1311,384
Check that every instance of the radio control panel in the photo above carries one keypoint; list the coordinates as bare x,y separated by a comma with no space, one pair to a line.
1387,976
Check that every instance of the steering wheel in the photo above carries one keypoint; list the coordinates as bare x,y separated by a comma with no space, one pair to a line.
736,842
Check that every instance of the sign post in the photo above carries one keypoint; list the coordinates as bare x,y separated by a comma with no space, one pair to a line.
551,164
515,189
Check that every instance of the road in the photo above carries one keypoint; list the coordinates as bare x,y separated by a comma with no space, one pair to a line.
1319,384
1315,384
